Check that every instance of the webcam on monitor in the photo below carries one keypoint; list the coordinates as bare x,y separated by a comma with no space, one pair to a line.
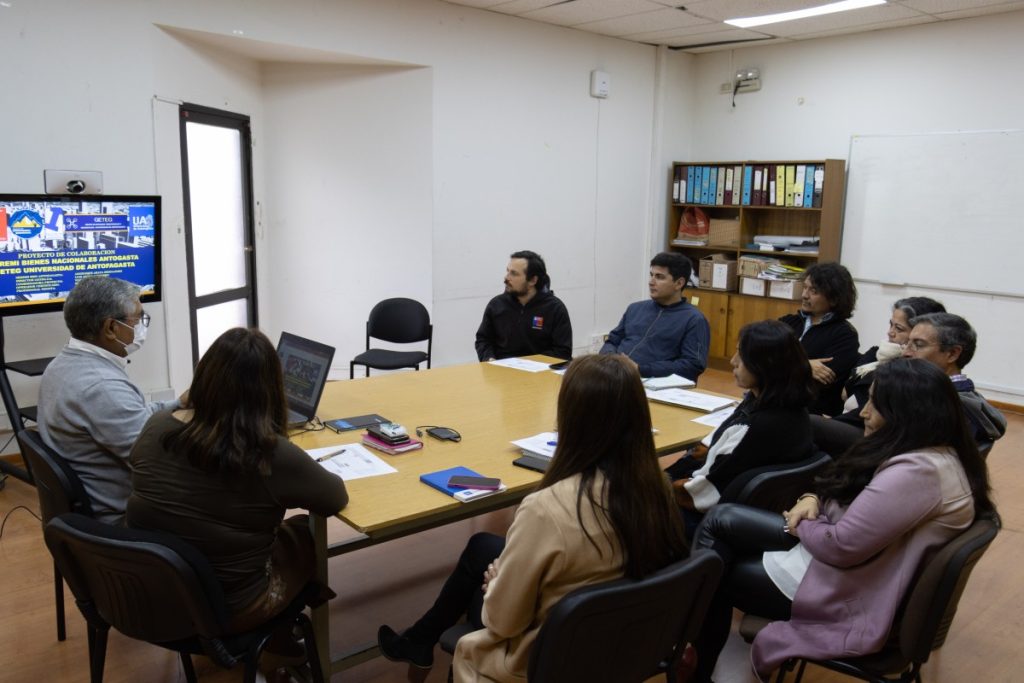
73,182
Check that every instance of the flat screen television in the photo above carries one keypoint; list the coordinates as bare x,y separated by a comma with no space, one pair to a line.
50,242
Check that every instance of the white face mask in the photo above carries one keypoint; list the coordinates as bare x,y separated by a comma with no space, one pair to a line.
138,338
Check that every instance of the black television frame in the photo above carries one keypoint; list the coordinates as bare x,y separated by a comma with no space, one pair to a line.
30,308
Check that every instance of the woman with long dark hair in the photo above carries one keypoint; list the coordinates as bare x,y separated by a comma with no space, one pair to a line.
771,425
833,569
603,510
221,472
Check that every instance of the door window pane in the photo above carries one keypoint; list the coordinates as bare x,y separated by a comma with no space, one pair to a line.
216,200
212,321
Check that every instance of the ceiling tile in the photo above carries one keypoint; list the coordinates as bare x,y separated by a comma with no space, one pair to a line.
477,3
732,34
977,12
659,37
940,6
864,28
518,7
638,23
585,11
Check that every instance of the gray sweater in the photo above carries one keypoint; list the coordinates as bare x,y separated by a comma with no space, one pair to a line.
91,413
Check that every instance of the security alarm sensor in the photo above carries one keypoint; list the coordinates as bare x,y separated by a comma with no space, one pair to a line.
73,182
600,84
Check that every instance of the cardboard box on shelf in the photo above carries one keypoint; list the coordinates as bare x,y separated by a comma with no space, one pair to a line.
752,265
753,286
724,232
718,271
786,289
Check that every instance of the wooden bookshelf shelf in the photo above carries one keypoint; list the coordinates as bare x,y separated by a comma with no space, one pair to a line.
727,312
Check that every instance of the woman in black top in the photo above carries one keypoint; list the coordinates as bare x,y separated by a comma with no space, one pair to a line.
771,425
823,328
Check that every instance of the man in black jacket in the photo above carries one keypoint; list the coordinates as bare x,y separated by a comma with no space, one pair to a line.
527,319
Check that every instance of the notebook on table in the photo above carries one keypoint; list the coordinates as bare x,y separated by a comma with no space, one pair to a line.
305,364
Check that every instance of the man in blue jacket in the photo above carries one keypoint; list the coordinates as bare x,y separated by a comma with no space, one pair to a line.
665,334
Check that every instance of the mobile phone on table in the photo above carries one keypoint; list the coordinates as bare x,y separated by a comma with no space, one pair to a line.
484,483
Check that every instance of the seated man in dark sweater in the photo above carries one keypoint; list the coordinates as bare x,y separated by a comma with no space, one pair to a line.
528,318
949,341
664,335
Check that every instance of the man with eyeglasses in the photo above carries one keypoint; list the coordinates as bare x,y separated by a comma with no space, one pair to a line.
89,411
948,342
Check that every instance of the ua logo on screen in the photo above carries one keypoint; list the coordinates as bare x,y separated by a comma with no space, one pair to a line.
538,322
25,223
143,222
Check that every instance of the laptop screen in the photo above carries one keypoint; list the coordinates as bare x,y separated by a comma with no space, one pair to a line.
305,364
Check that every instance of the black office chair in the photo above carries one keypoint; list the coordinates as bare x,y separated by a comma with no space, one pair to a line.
624,631
60,491
400,321
775,487
922,622
157,588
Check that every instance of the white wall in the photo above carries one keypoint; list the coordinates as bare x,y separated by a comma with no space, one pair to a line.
457,136
938,77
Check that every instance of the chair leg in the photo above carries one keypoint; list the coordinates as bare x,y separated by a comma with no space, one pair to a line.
312,652
351,370
58,597
97,652
186,664
252,659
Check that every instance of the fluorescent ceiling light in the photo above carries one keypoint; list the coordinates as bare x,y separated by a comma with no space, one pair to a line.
843,6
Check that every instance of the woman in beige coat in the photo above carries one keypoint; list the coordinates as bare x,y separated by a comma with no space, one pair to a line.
603,510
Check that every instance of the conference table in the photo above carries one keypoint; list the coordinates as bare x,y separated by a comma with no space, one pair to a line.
490,406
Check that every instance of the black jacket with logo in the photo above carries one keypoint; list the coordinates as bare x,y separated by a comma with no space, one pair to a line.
510,329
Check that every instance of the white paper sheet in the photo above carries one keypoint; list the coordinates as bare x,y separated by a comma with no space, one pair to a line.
673,381
353,462
714,419
690,399
522,364
542,444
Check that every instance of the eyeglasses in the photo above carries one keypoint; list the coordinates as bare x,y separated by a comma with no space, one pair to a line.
144,318
920,344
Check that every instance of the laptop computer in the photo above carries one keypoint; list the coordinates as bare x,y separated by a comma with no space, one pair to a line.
305,364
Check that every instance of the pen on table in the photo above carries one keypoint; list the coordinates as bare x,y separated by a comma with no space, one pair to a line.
328,456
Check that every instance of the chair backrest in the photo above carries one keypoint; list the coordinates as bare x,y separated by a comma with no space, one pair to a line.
775,487
932,601
622,630
58,486
149,586
399,320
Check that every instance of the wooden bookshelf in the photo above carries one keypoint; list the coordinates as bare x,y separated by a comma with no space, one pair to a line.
727,312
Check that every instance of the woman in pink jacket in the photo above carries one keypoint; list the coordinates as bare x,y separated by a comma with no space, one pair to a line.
833,569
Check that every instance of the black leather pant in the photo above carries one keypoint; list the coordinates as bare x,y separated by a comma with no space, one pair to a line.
740,535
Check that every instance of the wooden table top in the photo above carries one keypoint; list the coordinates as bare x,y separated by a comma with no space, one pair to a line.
489,405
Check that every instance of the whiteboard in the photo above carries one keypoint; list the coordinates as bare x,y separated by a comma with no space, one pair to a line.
937,210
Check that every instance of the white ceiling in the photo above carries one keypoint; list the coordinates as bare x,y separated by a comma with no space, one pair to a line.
696,25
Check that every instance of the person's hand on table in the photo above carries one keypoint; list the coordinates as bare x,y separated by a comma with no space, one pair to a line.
823,374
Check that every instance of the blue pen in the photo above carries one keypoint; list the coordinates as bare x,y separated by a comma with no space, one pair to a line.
552,443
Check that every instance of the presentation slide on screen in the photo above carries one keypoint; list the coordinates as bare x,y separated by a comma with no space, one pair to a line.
48,246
